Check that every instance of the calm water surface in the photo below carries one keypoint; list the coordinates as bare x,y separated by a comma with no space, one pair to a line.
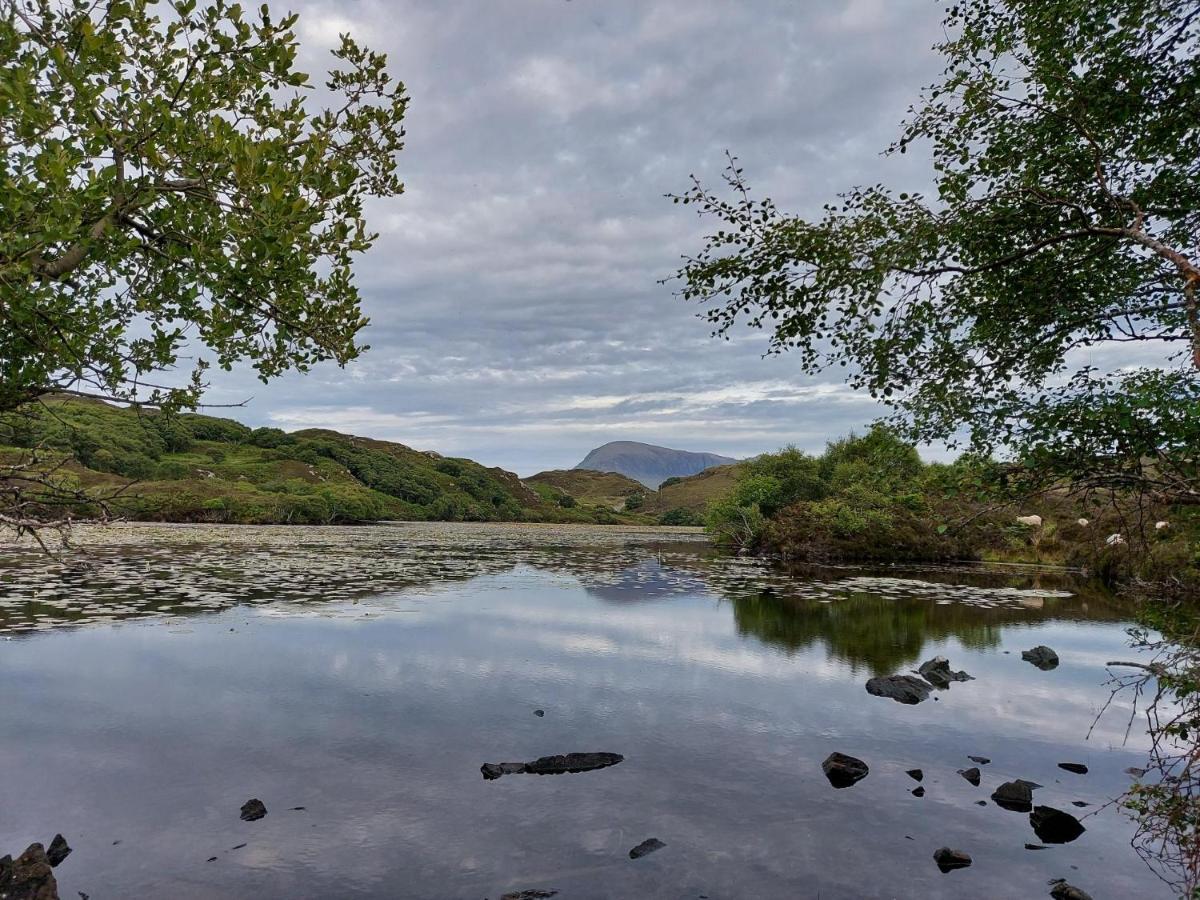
365,674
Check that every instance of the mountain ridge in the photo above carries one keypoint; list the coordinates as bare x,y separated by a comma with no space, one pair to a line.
650,464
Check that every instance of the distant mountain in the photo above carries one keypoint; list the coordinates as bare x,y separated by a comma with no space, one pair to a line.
649,464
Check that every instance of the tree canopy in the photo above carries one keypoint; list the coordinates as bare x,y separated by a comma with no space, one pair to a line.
168,187
1043,298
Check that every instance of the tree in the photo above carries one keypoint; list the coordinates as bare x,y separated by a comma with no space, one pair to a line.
1003,311
165,182
166,188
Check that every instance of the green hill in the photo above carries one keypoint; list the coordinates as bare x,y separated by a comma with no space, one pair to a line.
197,468
609,489
694,492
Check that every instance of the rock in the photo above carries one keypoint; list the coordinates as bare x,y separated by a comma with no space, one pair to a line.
938,673
915,774
1053,826
1032,785
28,877
982,760
972,775
211,859
57,851
1060,890
1077,768
843,771
646,847
1080,803
981,803
299,808
947,860
1161,526
1015,796
529,895
1042,657
539,712
252,810
1036,847
918,792
1135,772
1031,521
553,765
237,847
901,688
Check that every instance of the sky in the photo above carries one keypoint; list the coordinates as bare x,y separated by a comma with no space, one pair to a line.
518,315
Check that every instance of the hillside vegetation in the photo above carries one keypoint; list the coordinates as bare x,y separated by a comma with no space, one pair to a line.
157,467
610,489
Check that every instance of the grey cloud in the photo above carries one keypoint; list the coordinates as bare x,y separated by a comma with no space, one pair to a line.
517,314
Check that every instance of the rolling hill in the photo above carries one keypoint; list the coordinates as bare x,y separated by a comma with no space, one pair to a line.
649,464
606,488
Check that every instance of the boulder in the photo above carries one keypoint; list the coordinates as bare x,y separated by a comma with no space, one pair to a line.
28,877
972,775
1015,796
947,860
58,850
252,810
843,771
1053,826
1060,890
918,792
1077,768
646,847
982,760
915,774
938,673
552,765
901,688
1042,657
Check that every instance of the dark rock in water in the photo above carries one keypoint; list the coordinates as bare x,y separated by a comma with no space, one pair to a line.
539,712
253,810
1042,657
212,859
1077,768
972,775
1032,785
1036,847
901,688
1015,796
1080,803
1135,772
647,846
982,760
28,877
938,673
298,808
58,850
529,895
1060,890
981,803
918,792
843,771
553,765
1053,826
238,847
947,860
915,774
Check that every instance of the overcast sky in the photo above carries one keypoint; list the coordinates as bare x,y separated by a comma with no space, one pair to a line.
516,312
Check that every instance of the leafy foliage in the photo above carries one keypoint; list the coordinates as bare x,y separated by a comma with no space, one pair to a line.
165,182
1067,169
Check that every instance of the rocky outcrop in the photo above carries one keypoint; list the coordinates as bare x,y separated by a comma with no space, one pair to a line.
843,771
1042,657
552,765
28,877
58,850
901,688
937,672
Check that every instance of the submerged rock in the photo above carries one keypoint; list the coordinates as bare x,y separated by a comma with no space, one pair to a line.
947,860
539,713
982,760
918,792
58,850
252,810
1077,768
1042,657
1060,890
843,771
1015,796
1135,772
28,877
1080,803
1036,847
553,765
1053,826
645,847
938,673
901,688
915,774
533,894
972,775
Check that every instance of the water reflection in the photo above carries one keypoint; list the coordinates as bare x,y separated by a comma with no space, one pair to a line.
366,674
